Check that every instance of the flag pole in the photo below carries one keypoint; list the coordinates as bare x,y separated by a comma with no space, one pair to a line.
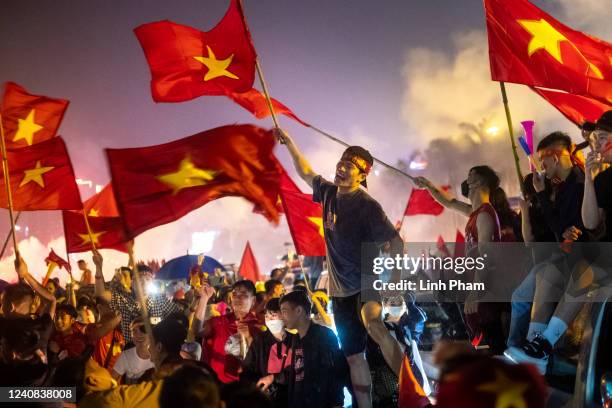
382,163
310,292
144,310
93,245
264,86
7,181
519,174
8,237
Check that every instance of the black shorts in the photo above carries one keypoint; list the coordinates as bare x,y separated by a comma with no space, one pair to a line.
347,317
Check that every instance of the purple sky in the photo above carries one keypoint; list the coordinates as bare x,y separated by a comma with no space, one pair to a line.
337,64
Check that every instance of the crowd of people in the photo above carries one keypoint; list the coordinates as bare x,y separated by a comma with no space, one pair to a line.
230,342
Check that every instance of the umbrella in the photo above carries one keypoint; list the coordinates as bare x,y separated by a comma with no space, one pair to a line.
178,268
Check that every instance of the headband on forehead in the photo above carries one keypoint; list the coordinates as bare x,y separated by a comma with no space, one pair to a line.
575,154
359,162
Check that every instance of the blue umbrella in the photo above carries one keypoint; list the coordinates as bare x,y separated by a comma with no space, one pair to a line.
178,268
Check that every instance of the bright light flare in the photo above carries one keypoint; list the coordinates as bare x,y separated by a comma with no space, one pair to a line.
492,130
152,288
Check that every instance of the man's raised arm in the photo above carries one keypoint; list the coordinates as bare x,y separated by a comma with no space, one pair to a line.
302,166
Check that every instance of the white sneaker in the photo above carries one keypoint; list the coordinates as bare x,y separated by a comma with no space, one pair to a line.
518,355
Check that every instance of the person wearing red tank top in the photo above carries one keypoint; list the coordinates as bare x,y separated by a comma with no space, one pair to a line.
483,227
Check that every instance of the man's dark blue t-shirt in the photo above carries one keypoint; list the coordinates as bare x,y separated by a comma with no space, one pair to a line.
349,220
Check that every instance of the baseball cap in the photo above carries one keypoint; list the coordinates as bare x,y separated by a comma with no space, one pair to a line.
605,121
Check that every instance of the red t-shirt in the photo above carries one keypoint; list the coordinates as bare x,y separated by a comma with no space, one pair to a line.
225,365
74,342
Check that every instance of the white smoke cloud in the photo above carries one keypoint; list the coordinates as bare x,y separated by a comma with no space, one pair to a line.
591,16
443,91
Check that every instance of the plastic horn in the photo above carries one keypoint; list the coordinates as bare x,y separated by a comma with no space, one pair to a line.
528,127
532,162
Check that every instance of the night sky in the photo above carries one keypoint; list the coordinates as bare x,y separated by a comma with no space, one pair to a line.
337,64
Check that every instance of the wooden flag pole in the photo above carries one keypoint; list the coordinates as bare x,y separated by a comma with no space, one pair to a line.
144,310
8,237
93,244
310,292
519,174
384,164
264,86
7,181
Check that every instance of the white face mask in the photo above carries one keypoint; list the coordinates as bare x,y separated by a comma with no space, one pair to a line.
89,318
275,326
395,311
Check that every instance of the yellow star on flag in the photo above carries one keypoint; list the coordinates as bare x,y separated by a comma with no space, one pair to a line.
216,68
187,175
35,175
318,221
26,128
509,393
94,237
93,213
544,36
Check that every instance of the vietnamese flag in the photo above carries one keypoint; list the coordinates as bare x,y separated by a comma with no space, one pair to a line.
28,118
286,183
255,102
305,220
576,108
186,63
422,203
248,265
102,204
41,178
528,46
53,260
106,232
158,184
58,260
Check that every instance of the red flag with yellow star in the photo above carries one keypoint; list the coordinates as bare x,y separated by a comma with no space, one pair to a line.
528,46
28,118
41,178
186,63
305,220
576,108
158,184
255,102
106,232
102,204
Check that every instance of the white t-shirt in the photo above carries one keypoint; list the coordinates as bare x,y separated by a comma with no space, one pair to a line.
130,364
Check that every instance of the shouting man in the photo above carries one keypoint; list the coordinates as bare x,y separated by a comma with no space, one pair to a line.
350,218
